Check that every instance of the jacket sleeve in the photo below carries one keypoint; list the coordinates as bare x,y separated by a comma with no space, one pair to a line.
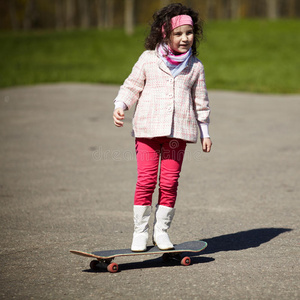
200,96
132,87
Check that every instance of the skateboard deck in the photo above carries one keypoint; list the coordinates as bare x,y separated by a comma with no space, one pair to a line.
104,258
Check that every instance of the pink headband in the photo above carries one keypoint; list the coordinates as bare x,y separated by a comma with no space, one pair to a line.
179,21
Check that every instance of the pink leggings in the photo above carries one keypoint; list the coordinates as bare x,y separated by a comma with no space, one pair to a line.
148,152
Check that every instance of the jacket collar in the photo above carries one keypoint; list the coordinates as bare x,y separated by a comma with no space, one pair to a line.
161,64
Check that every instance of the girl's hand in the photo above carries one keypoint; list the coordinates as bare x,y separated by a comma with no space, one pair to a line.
118,116
206,144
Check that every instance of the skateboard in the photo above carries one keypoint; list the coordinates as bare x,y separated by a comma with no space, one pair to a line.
104,258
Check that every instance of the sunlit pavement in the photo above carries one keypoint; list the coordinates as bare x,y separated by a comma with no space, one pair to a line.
67,178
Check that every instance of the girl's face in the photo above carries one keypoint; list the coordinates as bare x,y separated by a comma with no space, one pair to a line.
181,39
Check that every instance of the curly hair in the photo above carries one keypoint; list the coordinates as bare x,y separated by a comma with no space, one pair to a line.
163,18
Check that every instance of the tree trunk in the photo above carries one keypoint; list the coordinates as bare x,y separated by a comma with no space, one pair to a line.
129,16
59,14
272,9
70,14
13,15
30,15
292,8
210,9
84,12
219,9
235,9
109,13
100,12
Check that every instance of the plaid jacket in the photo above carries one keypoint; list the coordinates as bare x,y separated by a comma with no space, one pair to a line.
166,106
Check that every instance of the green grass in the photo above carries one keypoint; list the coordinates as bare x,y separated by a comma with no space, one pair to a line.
252,55
247,55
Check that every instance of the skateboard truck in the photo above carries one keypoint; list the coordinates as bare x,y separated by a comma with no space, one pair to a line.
185,261
110,266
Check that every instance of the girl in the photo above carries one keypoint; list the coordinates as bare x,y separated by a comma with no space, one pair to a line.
168,86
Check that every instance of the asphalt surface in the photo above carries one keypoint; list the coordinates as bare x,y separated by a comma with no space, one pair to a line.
67,179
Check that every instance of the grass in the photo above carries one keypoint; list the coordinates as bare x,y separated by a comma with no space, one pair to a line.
248,55
253,55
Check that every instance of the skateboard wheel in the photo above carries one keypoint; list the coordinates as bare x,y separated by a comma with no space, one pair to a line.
94,265
186,261
113,268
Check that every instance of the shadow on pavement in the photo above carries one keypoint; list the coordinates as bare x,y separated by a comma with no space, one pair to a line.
153,263
242,240
230,242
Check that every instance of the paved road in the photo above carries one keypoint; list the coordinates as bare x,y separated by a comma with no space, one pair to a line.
67,178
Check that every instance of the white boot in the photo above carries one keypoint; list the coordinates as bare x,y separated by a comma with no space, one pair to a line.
141,216
162,222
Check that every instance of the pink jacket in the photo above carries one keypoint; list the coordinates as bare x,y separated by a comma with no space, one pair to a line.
166,106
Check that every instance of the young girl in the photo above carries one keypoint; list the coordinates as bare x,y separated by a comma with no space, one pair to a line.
167,85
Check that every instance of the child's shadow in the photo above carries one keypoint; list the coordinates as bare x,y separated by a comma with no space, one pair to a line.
242,240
